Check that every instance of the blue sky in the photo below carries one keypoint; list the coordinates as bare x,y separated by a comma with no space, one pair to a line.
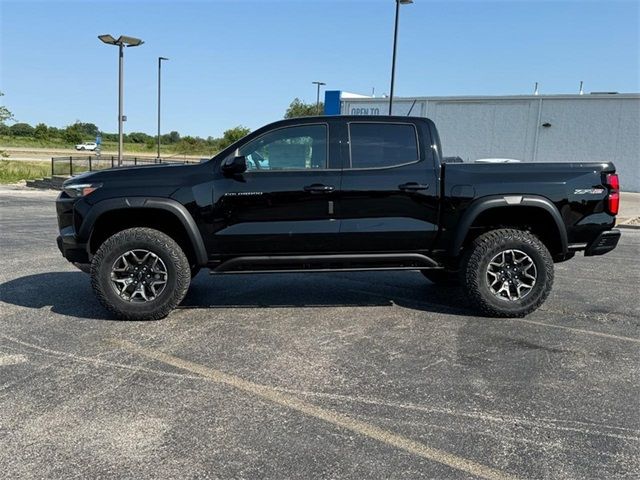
242,62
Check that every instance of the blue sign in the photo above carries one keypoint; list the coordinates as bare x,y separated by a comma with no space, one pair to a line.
98,139
332,102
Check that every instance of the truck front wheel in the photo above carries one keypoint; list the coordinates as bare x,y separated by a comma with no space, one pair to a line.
507,273
140,274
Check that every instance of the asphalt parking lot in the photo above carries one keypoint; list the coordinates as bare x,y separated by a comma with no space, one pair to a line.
343,375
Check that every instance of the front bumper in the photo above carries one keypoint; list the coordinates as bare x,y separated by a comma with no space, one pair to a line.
70,248
604,243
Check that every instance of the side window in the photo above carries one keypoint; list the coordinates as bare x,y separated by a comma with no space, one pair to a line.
290,148
375,145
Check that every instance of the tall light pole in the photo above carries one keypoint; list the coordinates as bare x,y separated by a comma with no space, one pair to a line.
318,96
121,42
395,41
160,59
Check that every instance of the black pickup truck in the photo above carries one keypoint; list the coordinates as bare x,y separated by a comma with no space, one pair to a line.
336,193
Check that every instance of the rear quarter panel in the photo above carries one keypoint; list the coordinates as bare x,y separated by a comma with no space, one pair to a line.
576,189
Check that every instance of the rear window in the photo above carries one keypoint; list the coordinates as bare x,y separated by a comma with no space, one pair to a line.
375,145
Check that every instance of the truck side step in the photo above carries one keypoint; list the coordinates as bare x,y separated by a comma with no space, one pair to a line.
322,263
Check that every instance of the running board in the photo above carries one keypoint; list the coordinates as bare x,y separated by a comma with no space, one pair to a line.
325,263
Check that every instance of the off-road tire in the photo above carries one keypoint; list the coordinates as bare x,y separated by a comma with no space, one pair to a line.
473,274
177,265
441,277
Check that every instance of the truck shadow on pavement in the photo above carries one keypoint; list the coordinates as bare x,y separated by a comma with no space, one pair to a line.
70,293
67,293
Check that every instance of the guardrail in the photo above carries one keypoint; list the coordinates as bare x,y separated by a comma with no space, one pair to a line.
74,165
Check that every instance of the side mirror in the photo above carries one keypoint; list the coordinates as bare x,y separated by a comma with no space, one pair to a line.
234,165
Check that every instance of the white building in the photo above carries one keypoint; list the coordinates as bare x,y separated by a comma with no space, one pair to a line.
532,128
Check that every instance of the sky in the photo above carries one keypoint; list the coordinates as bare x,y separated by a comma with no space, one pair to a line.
241,62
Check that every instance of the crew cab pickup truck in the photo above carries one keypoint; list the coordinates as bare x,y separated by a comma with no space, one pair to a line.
336,193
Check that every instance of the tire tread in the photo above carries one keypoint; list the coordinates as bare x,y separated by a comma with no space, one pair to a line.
150,236
477,252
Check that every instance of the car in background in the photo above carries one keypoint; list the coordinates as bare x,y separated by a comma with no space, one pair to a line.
87,146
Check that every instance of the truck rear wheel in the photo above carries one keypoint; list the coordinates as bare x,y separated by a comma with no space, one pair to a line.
507,273
140,274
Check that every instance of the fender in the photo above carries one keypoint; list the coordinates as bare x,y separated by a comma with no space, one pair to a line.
157,203
493,201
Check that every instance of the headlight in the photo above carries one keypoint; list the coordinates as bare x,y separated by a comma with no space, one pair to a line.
81,189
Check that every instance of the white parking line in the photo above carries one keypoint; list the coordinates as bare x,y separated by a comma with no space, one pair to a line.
334,418
6,360
577,330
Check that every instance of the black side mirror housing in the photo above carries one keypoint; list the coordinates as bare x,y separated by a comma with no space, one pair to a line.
234,165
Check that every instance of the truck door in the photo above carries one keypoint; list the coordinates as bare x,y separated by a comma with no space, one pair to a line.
284,202
389,196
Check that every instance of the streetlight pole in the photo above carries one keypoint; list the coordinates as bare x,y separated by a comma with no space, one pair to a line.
395,41
122,41
120,102
318,96
160,59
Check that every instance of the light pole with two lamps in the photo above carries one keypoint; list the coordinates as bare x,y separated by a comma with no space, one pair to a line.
122,41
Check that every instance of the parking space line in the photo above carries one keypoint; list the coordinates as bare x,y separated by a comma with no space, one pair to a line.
329,416
577,330
94,361
12,359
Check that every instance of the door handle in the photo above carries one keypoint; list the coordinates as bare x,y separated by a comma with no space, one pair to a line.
413,187
319,188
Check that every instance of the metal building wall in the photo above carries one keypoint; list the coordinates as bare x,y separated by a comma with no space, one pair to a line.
579,127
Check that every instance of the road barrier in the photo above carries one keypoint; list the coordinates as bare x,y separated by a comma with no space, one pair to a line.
74,165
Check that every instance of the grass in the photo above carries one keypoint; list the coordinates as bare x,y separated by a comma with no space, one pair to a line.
31,142
10,141
13,171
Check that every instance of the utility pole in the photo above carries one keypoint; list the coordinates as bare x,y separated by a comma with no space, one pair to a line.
395,42
318,96
160,59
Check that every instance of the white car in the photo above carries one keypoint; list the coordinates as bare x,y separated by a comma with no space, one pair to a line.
87,146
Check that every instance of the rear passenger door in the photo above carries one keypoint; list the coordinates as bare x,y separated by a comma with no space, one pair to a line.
388,201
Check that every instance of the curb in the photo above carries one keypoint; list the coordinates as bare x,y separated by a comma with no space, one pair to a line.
629,222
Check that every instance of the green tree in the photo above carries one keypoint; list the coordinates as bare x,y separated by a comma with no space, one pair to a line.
41,131
232,135
5,115
74,133
54,132
138,137
88,129
21,130
189,145
170,138
298,108
109,137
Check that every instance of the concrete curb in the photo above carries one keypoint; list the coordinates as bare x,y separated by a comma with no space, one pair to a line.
628,222
633,227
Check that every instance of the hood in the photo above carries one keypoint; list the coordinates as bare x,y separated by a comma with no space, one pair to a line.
160,180
164,173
